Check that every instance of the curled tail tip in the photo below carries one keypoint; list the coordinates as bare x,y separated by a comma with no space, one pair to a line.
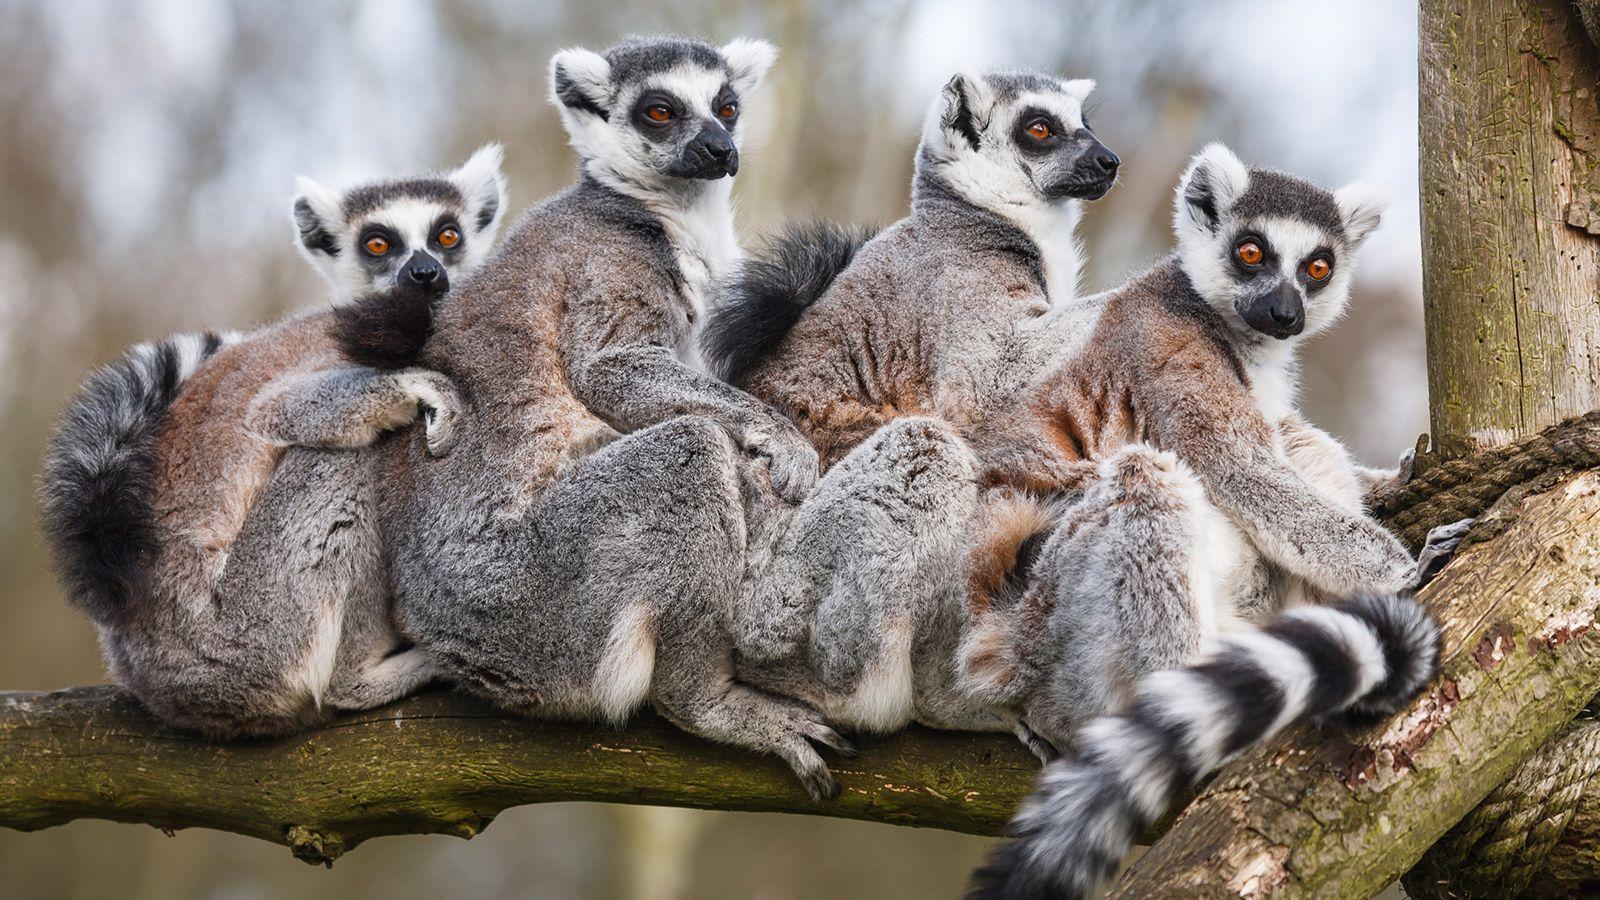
772,289
1411,643
94,504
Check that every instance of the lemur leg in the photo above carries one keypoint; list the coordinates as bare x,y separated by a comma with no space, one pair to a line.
878,535
1140,574
269,645
348,408
620,588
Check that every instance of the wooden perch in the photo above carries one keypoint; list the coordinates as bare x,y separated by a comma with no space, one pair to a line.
444,763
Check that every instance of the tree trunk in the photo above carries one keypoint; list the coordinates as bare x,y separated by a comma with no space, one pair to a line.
1510,133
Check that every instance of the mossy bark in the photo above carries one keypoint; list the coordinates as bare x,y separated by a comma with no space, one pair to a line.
443,763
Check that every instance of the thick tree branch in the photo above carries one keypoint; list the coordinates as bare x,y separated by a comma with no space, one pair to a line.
443,763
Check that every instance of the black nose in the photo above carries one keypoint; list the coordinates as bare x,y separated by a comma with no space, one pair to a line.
720,148
424,271
1106,161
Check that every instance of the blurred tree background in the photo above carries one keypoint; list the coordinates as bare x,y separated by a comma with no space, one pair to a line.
146,165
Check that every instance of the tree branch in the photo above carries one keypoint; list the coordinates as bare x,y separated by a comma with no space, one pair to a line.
444,763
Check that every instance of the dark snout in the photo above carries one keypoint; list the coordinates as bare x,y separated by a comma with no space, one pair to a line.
1281,313
1093,172
425,272
710,155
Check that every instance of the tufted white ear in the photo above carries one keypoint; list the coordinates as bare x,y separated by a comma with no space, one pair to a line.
1078,88
964,108
1209,188
318,213
580,82
1361,205
748,59
483,185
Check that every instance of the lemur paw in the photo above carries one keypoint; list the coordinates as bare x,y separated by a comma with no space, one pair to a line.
1437,550
792,462
1036,744
440,430
440,408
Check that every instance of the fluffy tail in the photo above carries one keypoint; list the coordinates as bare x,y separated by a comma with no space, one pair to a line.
1367,657
94,496
386,329
771,290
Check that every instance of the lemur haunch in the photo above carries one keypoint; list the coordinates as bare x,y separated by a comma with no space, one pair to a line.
1202,505
227,565
562,570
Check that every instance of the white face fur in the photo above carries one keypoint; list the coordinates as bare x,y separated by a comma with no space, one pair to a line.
663,114
1273,253
432,229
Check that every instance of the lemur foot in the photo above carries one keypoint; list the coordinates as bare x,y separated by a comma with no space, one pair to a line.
807,763
1035,743
1438,548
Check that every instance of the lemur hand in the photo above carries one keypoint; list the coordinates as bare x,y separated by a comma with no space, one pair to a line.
792,462
440,406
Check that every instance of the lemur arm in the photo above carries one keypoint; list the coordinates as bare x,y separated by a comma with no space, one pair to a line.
1206,416
347,408
621,357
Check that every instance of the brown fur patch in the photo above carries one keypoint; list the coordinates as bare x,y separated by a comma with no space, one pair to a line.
1007,519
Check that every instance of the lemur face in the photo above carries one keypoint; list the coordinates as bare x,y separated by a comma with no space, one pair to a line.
1019,137
1270,251
654,110
424,230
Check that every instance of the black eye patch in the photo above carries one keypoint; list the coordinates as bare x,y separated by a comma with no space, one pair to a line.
392,244
1237,252
725,98
1022,134
657,102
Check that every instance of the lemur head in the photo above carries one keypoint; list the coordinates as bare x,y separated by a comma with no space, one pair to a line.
1269,251
651,113
424,230
1016,139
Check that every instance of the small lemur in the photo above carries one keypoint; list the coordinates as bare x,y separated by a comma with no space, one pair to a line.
1213,507
227,563
562,569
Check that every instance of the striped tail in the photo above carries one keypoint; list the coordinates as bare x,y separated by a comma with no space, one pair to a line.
94,495
1365,657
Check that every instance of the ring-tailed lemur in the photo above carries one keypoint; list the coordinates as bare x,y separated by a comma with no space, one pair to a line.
1204,505
229,570
924,317
549,564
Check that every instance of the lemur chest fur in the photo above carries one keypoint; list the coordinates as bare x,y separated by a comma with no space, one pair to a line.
699,230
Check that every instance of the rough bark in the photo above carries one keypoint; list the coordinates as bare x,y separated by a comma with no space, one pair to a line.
1329,814
443,763
1510,149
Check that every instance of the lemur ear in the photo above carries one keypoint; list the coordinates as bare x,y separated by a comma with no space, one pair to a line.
965,104
1361,205
480,181
317,215
1208,189
1078,88
748,60
580,82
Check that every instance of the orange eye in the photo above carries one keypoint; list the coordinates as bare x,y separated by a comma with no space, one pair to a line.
728,110
448,237
1038,131
1249,253
657,113
1318,269
377,245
